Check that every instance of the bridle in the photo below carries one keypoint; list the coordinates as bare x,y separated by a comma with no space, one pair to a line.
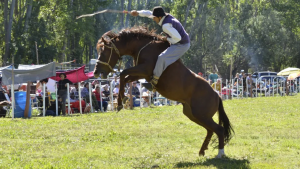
113,46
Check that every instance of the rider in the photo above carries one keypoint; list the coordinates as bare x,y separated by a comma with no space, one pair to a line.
176,35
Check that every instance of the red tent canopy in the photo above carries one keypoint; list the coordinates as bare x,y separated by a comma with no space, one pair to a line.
76,75
90,74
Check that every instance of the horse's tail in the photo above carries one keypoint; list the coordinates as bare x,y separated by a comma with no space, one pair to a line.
224,121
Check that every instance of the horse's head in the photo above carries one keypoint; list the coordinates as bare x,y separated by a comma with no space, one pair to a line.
108,56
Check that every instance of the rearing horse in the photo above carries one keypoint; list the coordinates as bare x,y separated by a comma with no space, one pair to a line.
200,102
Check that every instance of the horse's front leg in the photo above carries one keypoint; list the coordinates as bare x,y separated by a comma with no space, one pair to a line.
140,71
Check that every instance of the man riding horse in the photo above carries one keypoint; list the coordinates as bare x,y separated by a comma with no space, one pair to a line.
150,52
177,37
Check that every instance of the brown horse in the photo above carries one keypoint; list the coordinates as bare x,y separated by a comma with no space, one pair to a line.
200,102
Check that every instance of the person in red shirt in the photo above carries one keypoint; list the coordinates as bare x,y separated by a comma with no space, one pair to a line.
97,93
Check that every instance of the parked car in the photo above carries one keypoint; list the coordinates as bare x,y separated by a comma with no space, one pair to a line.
257,75
271,79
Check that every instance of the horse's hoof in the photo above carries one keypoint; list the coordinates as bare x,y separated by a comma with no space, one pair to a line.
201,153
120,107
221,153
124,100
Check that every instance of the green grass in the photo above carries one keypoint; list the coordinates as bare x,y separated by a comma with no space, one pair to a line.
267,135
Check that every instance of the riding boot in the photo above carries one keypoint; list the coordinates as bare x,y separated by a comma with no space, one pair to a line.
153,82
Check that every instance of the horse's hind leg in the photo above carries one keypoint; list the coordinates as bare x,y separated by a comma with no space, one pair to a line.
188,112
211,125
205,142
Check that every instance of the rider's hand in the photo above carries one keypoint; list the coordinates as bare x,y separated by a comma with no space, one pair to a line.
164,38
134,13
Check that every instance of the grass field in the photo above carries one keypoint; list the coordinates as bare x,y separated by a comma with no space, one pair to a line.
267,135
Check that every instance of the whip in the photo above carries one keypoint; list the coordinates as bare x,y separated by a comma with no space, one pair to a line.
104,11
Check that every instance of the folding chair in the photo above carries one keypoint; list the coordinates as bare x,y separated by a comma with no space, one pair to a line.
9,107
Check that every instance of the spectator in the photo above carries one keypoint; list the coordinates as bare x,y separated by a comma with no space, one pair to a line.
217,86
74,99
213,77
62,90
85,94
74,91
200,74
94,83
145,97
236,79
106,92
135,90
2,110
250,81
97,93
115,81
244,80
116,90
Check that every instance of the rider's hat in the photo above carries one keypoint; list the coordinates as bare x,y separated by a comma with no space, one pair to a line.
158,11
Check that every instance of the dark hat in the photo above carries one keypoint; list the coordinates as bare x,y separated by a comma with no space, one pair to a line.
44,80
158,11
63,74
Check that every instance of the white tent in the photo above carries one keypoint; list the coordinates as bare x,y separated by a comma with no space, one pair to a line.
288,71
28,73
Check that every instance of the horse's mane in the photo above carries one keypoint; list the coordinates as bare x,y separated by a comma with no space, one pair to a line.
138,32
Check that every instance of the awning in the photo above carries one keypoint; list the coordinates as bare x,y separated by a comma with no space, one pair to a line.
76,75
28,74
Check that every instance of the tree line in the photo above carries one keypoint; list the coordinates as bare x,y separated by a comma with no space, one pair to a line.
229,35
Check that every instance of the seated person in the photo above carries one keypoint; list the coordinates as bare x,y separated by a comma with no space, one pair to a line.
74,99
97,93
145,97
51,110
217,86
116,90
85,94
106,93
2,110
135,90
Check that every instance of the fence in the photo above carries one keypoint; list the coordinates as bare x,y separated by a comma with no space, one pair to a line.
254,88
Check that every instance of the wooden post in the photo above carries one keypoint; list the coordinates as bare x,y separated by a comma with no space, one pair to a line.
27,100
37,55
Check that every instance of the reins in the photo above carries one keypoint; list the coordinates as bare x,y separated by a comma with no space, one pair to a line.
113,46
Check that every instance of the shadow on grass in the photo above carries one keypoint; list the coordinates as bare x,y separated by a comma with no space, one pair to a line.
218,163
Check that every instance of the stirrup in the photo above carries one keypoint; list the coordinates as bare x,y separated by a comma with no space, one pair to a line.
153,82
153,87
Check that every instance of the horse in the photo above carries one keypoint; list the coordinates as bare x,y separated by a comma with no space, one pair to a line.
200,102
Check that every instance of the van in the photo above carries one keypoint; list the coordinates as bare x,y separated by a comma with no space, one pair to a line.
257,75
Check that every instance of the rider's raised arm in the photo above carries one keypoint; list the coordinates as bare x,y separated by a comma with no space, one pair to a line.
145,13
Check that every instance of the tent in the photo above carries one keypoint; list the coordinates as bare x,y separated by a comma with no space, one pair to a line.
90,74
28,73
288,71
76,75
6,67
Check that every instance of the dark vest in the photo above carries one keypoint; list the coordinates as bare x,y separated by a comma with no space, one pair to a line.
177,25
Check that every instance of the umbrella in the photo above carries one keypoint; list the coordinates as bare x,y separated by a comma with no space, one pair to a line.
288,71
293,76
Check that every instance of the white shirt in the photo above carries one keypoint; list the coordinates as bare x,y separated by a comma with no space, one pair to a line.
167,28
116,90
